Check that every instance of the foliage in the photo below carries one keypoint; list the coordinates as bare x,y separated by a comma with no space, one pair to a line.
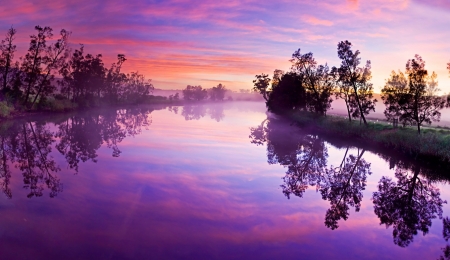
355,86
261,85
217,93
288,94
194,93
317,81
411,97
84,79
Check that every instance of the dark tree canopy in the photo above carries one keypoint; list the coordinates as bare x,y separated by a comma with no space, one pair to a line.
288,94
83,78
217,93
318,81
411,97
262,84
355,86
194,93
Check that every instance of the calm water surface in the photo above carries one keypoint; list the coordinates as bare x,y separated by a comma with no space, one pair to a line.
209,182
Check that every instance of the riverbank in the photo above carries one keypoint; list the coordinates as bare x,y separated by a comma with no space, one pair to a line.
432,144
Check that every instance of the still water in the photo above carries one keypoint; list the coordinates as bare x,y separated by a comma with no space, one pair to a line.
221,181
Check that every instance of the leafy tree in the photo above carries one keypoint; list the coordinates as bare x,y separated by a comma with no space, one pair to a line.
41,62
412,96
194,93
356,78
261,85
288,94
84,77
318,81
408,205
217,93
115,80
136,88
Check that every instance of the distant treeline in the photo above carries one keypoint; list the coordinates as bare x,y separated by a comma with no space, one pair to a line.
410,97
52,76
197,93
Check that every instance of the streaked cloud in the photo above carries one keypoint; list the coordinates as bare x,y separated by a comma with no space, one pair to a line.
180,42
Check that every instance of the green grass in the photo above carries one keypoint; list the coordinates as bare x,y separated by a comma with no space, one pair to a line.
431,143
5,109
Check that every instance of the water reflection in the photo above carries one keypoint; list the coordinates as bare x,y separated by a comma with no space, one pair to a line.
198,111
408,204
28,145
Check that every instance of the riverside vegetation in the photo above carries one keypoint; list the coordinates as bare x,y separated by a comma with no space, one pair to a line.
306,91
52,76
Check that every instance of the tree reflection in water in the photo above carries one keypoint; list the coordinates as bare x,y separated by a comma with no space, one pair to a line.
408,205
343,187
305,157
28,145
197,111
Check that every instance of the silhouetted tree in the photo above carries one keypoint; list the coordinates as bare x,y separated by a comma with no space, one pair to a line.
318,81
350,75
261,85
7,49
136,88
194,93
408,205
288,94
217,93
41,61
84,77
412,97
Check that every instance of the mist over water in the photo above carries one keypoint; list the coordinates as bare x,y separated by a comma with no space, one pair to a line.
209,181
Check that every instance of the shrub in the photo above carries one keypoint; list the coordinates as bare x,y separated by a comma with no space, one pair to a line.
5,109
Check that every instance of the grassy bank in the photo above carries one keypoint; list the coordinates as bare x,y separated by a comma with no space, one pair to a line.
433,143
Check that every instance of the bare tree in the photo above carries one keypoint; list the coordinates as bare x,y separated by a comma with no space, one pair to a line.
7,49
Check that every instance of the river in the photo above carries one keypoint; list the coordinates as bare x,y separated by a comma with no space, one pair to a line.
212,181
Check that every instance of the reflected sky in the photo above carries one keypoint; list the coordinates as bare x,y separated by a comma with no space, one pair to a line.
200,189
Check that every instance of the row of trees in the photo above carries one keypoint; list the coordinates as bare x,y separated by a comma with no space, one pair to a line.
410,97
48,68
310,86
197,93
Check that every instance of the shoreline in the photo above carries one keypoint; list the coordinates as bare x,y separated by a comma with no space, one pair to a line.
432,145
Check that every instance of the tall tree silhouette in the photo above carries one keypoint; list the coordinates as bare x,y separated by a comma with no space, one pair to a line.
318,81
7,49
408,205
358,79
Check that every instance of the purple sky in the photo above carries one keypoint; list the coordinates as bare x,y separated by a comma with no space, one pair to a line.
177,42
